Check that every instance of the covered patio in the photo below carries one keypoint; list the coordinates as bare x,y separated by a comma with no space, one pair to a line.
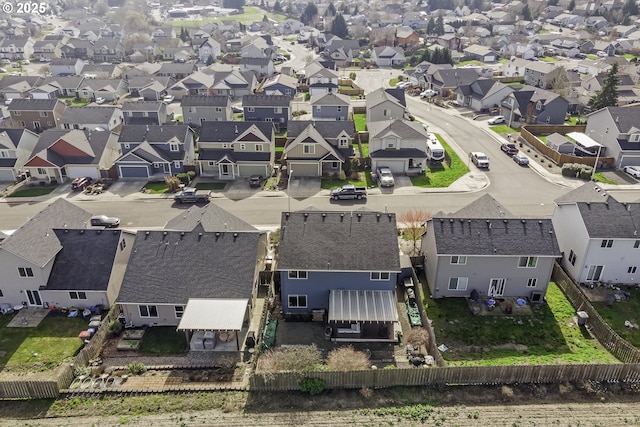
215,324
362,316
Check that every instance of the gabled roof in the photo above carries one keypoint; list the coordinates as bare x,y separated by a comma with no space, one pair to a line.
588,192
281,79
153,133
311,135
35,240
328,129
60,147
110,85
87,114
211,217
611,219
205,101
25,82
266,101
381,95
169,267
339,241
404,129
331,99
220,131
28,104
454,77
153,106
10,138
85,261
483,207
625,118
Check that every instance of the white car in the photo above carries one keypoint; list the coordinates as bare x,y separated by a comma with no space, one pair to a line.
634,171
521,159
100,100
403,85
8,101
25,62
496,120
479,159
428,93
168,98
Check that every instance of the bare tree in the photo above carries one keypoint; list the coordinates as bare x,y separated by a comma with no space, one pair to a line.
418,337
347,359
411,223
292,359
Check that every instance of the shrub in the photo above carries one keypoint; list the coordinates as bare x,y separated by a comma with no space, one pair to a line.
347,359
184,178
79,371
136,368
191,175
114,328
576,170
292,359
173,183
352,75
342,176
313,386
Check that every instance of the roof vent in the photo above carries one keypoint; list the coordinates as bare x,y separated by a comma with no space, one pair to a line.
218,234
324,215
441,220
451,220
115,232
165,233
147,233
235,234
505,221
66,230
81,231
524,221
98,231
182,233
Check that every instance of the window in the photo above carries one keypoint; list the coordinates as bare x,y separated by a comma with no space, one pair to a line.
4,154
595,271
343,142
22,124
606,243
297,301
380,275
539,106
25,271
212,163
528,261
339,109
77,295
309,148
178,310
251,109
259,147
130,113
225,145
1,294
572,257
631,270
318,108
296,274
334,165
44,114
127,145
459,259
174,147
42,171
277,110
123,244
156,165
145,114
636,244
458,283
385,112
243,147
635,137
177,164
17,113
531,283
218,110
148,311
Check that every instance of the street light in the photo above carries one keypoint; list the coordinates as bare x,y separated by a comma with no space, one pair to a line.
595,165
289,187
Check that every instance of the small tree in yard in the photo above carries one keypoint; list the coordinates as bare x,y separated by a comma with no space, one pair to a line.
173,183
347,359
418,337
412,224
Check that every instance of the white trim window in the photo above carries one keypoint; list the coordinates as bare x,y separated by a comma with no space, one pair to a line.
459,259
343,142
77,295
259,147
297,301
528,262
176,164
148,310
636,244
25,272
308,148
297,274
380,275
532,282
572,257
178,310
251,109
243,147
606,243
174,147
458,283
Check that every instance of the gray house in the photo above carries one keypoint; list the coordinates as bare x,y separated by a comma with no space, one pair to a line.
531,105
16,146
618,130
328,265
93,118
384,105
400,145
197,109
484,248
144,113
330,107
267,108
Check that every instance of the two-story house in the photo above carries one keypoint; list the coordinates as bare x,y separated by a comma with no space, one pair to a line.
47,49
66,87
316,148
267,108
197,109
385,104
66,67
484,249
388,56
16,49
263,67
618,131
12,87
541,74
144,113
197,83
627,94
149,88
482,94
177,71
16,146
108,50
280,84
93,118
398,144
319,274
208,48
230,150
330,106
109,89
320,80
598,236
530,105
36,114
154,151
77,48
234,83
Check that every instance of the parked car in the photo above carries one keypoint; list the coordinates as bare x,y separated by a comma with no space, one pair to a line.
385,177
496,120
479,159
349,191
25,62
8,101
168,98
428,93
521,159
191,195
237,109
634,171
255,181
100,100
403,85
509,148
105,221
81,183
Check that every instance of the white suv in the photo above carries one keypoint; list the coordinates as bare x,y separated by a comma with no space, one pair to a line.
479,159
634,171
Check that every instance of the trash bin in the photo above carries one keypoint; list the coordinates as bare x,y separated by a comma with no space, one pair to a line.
582,318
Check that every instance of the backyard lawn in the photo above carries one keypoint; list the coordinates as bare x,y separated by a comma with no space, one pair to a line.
441,175
360,121
249,15
549,336
163,341
41,348
619,312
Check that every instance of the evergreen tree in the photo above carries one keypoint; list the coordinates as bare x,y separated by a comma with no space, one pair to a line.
331,10
572,5
277,7
440,25
233,4
608,95
630,8
355,10
309,14
526,13
431,26
552,3
210,60
262,5
339,27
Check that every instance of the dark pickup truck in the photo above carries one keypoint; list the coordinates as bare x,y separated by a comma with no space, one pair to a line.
191,195
349,192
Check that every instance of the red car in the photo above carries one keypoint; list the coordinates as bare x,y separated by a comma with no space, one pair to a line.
80,183
509,148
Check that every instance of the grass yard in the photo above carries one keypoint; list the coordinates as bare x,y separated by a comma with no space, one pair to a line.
249,15
75,102
364,147
163,341
444,174
33,191
156,187
619,312
473,62
600,177
360,121
548,59
504,129
211,186
362,181
394,81
549,336
42,348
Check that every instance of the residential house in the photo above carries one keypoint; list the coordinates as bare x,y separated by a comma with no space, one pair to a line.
414,20
485,250
342,52
44,91
320,80
234,83
149,88
385,104
531,105
47,49
28,254
66,67
388,56
398,144
209,218
542,74
109,89
145,113
12,87
197,83
62,154
515,67
177,71
318,148
36,114
208,48
449,40
179,54
617,129
108,50
77,48
231,150
406,37
92,118
446,79
164,33
261,66
598,236
483,94
207,288
477,52
155,151
319,274
66,87
267,108
196,109
16,146
289,26
16,49
280,84
330,106
627,94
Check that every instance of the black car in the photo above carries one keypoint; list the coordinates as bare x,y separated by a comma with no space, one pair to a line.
105,221
255,181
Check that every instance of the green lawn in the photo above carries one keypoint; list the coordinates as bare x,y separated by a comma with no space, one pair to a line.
163,341
393,82
75,102
33,191
211,186
364,147
548,59
250,14
360,121
473,62
549,336
156,187
329,183
444,174
619,312
41,348
600,177
504,129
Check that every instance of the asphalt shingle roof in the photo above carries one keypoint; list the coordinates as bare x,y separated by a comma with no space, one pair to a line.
152,133
611,219
205,101
212,131
327,129
266,101
212,218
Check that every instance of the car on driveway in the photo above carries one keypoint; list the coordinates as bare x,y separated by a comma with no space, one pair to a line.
105,221
100,100
8,101
255,181
634,171
385,177
81,183
428,93
521,159
168,98
403,85
237,109
509,148
496,120
479,159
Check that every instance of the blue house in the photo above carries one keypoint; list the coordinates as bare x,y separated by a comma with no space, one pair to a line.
330,106
267,108
280,84
344,267
155,151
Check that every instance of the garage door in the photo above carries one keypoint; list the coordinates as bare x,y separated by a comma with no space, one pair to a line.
133,172
248,170
396,166
304,169
78,172
6,175
629,161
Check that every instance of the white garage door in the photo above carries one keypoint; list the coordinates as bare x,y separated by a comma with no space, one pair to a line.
77,172
248,170
6,175
396,166
629,161
304,169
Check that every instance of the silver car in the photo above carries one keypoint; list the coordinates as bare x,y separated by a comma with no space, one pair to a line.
105,221
521,159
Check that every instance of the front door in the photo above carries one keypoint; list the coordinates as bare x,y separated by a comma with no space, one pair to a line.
34,298
496,289
225,169
166,167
